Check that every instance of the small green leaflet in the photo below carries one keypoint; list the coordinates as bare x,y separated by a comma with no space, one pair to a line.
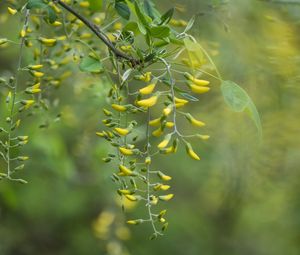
89,64
160,32
123,10
238,100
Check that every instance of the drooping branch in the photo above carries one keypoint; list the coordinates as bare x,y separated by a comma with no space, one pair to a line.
99,33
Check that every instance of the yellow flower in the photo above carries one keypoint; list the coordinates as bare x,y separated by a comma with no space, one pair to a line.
132,198
166,197
134,222
126,171
23,33
35,67
122,131
167,110
84,4
180,100
203,137
148,102
199,89
37,74
191,152
194,121
195,80
155,122
119,108
48,42
126,48
165,142
11,11
158,132
145,77
148,89
164,177
125,151
27,103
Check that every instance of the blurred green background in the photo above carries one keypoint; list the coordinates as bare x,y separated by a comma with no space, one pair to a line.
241,198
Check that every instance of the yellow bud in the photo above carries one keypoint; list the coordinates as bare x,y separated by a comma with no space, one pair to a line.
125,151
126,48
118,26
169,124
180,100
148,102
119,108
148,89
122,131
164,177
194,121
23,33
84,4
165,142
191,152
56,23
203,137
134,222
145,77
132,198
35,67
11,11
37,74
155,122
48,42
158,132
126,171
148,160
167,110
166,197
199,89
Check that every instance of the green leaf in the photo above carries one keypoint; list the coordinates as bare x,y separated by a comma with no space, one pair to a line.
143,17
190,24
36,4
123,10
189,97
194,50
89,64
160,32
51,14
133,27
166,17
151,10
238,100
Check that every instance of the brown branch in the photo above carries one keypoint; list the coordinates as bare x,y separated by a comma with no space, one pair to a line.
100,34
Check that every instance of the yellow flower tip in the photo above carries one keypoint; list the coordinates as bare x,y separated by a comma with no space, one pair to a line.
126,171
126,48
125,151
194,121
37,74
199,89
147,102
148,89
122,131
11,11
166,197
200,82
119,108
145,77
